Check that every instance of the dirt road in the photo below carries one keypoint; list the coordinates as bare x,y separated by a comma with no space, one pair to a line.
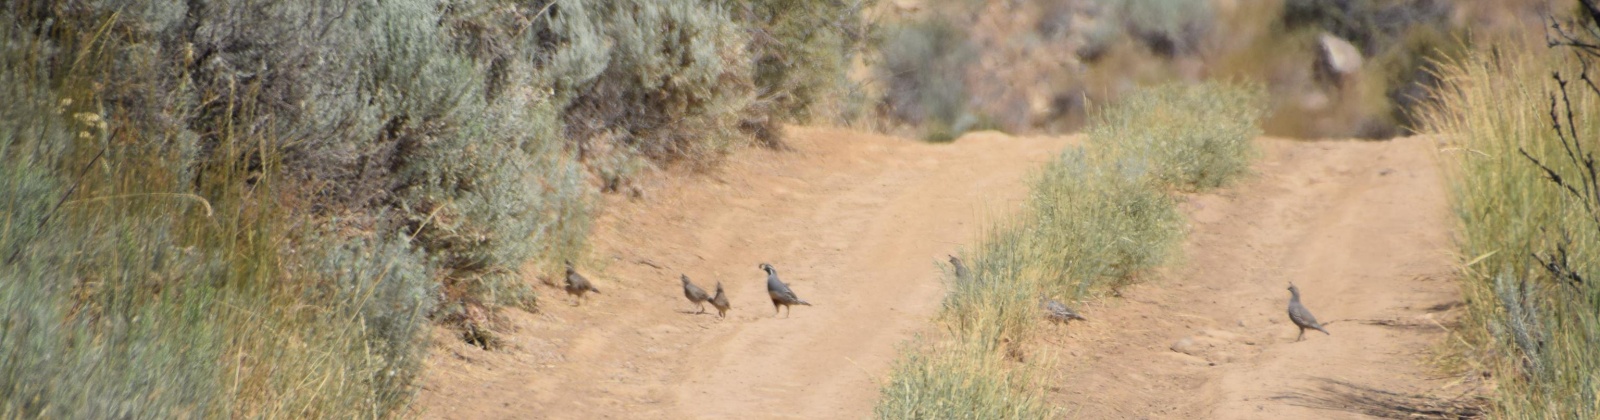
856,223
1361,227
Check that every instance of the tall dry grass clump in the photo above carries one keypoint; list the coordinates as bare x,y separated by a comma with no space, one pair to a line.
1096,218
1518,148
1190,137
137,284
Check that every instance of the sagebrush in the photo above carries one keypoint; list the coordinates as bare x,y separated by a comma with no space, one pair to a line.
254,208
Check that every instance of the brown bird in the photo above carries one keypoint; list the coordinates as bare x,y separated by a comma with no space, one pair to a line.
721,302
1300,315
779,292
695,294
577,285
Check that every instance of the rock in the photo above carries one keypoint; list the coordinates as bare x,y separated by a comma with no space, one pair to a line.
1187,346
1338,57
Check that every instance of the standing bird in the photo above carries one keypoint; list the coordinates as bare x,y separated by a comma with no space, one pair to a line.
961,269
780,293
695,294
1058,312
721,302
577,285
1300,315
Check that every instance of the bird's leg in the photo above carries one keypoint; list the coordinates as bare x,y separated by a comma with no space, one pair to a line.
1302,335
702,308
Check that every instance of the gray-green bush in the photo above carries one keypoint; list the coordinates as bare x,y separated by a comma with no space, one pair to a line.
924,68
959,380
1192,137
802,51
126,295
252,209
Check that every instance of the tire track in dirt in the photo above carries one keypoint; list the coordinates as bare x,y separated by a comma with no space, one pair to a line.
856,223
1361,227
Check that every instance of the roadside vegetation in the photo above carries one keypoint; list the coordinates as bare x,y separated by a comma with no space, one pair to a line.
260,209
1518,125
1097,218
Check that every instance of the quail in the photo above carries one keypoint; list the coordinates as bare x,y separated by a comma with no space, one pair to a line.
721,302
961,269
577,285
1300,315
780,293
1058,312
695,294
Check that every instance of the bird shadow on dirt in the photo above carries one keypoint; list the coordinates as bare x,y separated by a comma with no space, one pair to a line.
1337,395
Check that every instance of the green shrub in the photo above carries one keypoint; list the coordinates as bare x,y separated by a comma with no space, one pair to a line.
924,68
125,295
1193,137
389,286
178,209
802,51
250,209
662,77
1525,240
1099,223
964,379
85,336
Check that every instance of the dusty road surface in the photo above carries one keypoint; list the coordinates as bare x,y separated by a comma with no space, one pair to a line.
1363,228
856,223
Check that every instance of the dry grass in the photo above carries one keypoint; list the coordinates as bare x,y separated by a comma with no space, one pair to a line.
1531,327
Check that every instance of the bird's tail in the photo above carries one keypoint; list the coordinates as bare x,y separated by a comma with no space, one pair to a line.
1319,328
801,302
594,289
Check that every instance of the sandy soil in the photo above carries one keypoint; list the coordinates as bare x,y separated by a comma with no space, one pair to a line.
858,223
1361,227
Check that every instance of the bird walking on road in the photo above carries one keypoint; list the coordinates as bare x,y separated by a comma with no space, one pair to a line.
577,285
780,293
695,294
1058,312
1300,315
961,269
721,302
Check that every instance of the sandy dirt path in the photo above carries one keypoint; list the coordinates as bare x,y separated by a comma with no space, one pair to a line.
855,223
1362,228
